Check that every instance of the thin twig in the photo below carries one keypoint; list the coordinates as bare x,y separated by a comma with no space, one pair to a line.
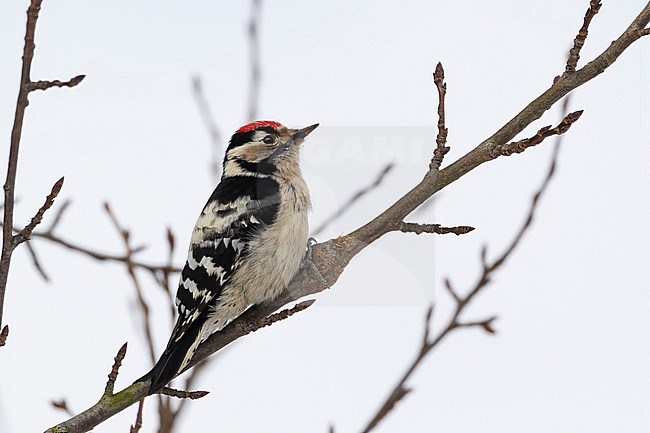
26,232
441,139
451,290
354,198
112,376
579,41
62,405
4,334
428,344
545,132
485,324
135,428
9,242
166,284
166,413
44,85
36,261
433,228
101,256
285,314
400,390
16,133
142,302
192,395
396,396
189,382
58,215
427,324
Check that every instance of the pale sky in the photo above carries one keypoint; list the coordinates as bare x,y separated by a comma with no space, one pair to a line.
572,304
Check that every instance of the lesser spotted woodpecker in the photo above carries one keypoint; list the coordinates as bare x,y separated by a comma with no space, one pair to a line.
248,241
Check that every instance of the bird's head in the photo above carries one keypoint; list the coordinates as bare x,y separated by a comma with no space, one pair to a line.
264,148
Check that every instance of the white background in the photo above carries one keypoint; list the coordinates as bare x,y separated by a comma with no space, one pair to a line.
571,353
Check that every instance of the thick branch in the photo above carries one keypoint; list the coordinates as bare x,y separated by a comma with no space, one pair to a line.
490,148
110,404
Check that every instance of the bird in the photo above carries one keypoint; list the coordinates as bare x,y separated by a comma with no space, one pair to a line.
247,244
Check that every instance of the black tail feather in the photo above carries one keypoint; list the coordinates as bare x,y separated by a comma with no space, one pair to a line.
170,361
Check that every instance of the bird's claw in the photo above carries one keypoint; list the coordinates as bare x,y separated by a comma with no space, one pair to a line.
310,244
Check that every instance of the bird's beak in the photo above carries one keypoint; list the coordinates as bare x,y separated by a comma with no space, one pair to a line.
299,135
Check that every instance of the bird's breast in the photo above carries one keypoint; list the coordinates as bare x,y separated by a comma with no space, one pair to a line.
277,251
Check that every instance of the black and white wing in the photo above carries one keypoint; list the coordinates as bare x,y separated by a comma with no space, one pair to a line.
238,208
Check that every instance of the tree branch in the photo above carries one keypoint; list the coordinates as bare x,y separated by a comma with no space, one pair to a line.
26,232
579,41
44,85
36,261
192,395
142,303
112,376
62,405
135,428
155,269
354,198
433,228
16,133
4,334
441,139
461,302
111,404
545,132
9,242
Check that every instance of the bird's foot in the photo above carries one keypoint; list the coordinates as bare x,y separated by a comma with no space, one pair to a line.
310,244
310,249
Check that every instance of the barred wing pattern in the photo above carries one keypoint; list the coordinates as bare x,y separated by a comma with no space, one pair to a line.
238,208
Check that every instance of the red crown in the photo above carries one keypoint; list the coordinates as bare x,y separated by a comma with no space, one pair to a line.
258,124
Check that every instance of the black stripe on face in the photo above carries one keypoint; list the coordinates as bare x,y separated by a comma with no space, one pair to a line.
263,167
239,139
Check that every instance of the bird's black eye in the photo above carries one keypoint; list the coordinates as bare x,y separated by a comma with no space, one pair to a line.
269,139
